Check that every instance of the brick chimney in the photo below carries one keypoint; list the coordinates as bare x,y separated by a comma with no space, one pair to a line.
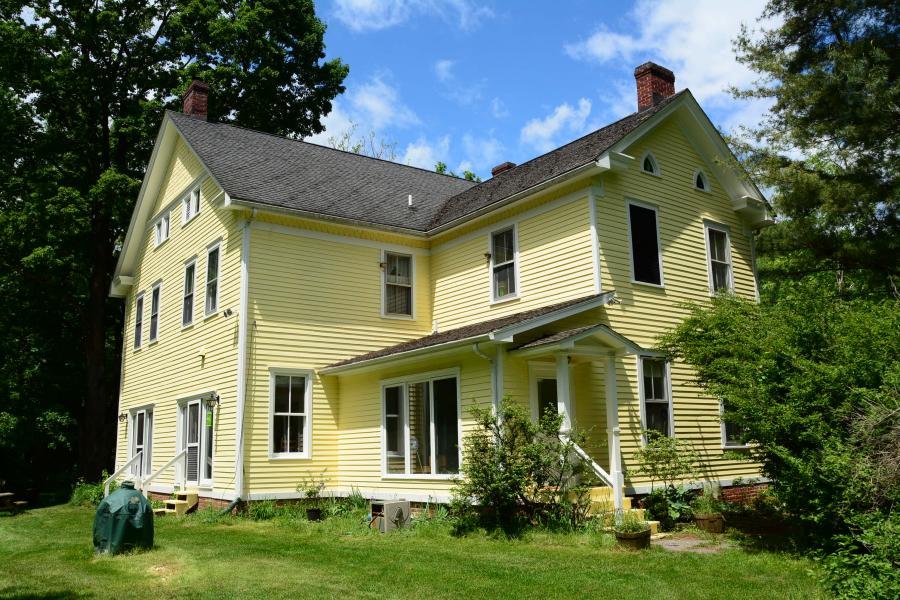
502,167
654,84
196,99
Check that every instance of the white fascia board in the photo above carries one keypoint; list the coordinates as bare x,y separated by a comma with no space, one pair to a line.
506,334
399,358
610,161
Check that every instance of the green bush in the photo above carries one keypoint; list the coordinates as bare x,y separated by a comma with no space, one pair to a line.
866,564
668,505
90,494
262,510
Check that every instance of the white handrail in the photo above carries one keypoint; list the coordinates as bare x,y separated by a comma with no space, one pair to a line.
175,459
121,470
597,469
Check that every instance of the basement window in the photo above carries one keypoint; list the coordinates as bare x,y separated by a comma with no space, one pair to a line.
646,256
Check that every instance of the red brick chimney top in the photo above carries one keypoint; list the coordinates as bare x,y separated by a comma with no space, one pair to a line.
654,84
196,99
502,167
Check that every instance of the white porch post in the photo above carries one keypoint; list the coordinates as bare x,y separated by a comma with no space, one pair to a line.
564,391
613,433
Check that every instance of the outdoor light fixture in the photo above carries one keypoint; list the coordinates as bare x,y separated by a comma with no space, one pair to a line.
212,401
227,312
122,417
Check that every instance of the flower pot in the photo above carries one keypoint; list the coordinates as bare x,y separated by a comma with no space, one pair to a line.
712,523
314,514
639,540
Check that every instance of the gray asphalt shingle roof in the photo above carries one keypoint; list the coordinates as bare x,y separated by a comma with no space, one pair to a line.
296,175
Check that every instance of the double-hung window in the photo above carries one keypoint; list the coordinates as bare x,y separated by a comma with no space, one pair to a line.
187,307
646,258
138,320
155,299
161,229
657,406
212,280
719,258
503,264
191,205
421,426
732,433
291,403
398,278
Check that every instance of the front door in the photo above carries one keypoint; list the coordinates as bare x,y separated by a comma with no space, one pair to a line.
197,439
546,396
142,436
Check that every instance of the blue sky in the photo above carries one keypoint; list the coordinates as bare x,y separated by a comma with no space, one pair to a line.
474,83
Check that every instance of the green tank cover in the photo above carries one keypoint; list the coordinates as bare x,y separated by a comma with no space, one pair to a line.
124,520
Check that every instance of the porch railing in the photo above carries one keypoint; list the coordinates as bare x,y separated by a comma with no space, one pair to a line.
134,459
175,459
597,469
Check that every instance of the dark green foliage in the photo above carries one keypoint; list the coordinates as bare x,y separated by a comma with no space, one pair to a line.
262,510
518,472
668,505
90,494
82,92
866,563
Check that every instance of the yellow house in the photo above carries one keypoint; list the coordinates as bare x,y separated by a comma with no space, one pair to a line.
294,310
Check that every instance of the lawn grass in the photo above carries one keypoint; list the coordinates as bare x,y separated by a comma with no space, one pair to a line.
47,553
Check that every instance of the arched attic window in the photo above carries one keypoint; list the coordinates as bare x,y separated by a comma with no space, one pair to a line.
700,181
649,164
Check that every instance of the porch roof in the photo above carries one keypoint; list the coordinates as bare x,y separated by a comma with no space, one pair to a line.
568,340
500,329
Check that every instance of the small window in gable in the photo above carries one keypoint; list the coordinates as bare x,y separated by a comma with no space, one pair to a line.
191,205
700,181
648,164
162,229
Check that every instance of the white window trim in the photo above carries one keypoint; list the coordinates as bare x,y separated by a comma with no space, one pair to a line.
707,225
186,216
702,175
725,444
307,411
217,245
404,383
181,468
150,338
157,239
138,300
668,385
656,172
537,372
188,263
514,227
132,431
655,209
412,287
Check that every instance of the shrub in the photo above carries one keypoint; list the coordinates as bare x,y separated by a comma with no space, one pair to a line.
90,494
668,505
262,510
708,502
629,522
866,563
665,459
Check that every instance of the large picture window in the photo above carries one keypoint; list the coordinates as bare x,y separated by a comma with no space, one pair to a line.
657,406
646,259
421,426
291,403
398,286
503,264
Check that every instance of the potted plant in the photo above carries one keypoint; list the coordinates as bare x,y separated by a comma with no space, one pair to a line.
632,531
707,509
311,487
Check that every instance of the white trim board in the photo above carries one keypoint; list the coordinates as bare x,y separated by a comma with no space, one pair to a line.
338,238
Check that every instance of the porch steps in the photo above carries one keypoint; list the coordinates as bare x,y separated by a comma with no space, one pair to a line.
602,501
183,503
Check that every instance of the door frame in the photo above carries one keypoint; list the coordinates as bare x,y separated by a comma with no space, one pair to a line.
536,372
147,409
181,437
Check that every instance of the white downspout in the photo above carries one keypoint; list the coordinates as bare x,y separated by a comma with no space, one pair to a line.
242,358
495,401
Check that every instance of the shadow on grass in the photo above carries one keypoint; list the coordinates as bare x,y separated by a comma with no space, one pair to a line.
18,594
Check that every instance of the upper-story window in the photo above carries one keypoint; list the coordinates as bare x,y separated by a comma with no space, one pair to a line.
212,280
187,306
161,229
398,284
155,300
700,181
503,264
646,257
657,405
649,164
190,206
138,320
719,258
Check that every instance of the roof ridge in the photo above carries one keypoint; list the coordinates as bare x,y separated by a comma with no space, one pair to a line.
323,147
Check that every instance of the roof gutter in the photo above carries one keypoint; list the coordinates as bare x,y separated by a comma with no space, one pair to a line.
393,358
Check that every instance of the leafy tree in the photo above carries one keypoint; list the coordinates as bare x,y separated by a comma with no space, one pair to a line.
830,147
368,145
84,86
441,167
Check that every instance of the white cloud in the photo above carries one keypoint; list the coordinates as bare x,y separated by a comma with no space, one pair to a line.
425,154
481,153
691,37
443,69
498,109
544,134
371,15
463,93
372,106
